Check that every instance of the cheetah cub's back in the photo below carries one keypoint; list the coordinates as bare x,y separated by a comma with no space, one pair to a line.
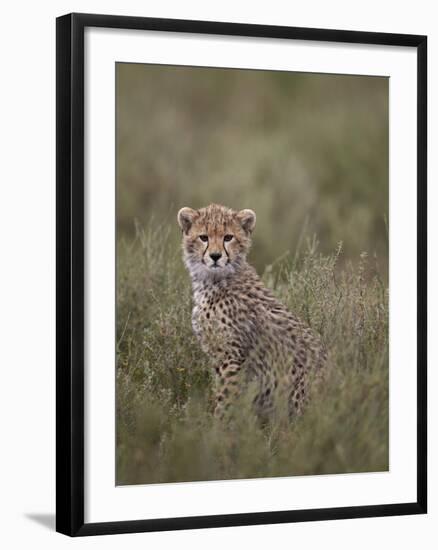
247,333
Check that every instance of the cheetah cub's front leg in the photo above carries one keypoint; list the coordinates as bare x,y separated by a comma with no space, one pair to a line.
227,392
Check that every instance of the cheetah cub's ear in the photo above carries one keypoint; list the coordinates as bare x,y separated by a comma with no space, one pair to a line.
185,218
247,219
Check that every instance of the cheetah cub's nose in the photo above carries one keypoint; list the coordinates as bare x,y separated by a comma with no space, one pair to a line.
215,256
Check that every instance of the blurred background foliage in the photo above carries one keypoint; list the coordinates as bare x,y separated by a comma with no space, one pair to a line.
307,152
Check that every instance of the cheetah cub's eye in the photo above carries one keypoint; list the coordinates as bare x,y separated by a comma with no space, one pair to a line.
228,238
204,238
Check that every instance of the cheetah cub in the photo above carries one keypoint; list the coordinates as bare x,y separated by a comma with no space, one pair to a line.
248,334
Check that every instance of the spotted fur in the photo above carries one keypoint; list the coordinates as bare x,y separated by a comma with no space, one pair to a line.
248,334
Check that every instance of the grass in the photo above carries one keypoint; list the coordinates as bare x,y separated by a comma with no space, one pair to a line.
165,428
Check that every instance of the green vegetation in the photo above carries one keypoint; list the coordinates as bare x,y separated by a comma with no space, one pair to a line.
309,153
165,427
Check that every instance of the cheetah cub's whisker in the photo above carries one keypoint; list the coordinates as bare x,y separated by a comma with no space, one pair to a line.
248,334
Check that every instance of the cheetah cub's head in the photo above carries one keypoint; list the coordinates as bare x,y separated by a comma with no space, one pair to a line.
216,240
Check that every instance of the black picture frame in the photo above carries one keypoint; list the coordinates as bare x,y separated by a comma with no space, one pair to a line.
70,272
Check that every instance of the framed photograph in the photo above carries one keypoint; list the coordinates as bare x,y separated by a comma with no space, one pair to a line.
241,274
